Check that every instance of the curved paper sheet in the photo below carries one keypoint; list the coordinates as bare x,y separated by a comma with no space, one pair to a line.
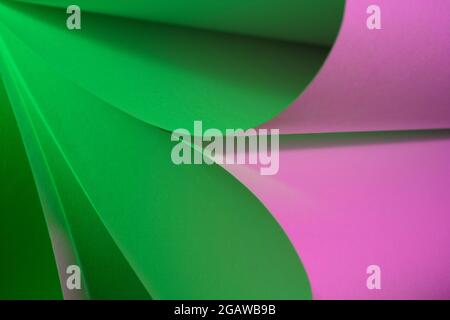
396,78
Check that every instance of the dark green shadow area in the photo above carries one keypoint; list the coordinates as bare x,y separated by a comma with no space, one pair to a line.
27,264
304,21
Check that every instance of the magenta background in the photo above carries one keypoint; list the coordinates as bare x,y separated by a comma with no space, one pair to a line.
346,206
349,202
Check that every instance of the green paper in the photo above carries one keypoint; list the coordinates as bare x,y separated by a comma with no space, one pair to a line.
27,265
95,108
